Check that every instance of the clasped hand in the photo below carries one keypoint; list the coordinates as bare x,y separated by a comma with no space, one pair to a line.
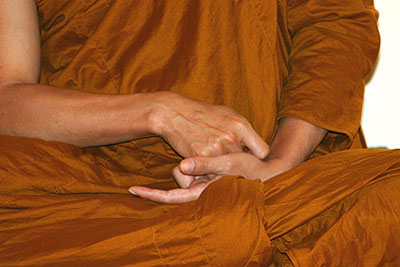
212,138
195,128
194,174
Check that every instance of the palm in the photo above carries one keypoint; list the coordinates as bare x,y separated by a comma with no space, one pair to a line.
175,196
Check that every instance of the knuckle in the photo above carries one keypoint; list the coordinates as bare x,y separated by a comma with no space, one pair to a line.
217,146
204,152
229,137
200,150
240,123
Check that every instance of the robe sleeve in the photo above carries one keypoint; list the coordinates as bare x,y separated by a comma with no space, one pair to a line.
334,48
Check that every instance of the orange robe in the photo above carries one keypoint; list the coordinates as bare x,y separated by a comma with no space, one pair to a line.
266,59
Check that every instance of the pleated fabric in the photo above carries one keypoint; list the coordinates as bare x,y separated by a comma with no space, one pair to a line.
59,206
67,206
342,210
265,59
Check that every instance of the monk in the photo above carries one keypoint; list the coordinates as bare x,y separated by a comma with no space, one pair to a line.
80,118
169,99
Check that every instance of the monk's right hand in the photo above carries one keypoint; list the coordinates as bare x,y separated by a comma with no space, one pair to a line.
195,128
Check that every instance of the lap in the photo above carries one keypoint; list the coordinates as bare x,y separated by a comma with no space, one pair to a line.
341,209
33,166
51,191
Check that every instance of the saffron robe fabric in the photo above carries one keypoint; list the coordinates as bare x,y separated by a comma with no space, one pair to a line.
60,206
266,59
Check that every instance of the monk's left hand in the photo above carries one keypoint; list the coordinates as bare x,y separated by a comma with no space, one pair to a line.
196,173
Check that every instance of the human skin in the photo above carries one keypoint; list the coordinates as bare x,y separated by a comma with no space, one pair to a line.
294,142
80,118
215,133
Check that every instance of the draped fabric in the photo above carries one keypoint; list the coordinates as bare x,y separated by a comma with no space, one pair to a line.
265,59
63,205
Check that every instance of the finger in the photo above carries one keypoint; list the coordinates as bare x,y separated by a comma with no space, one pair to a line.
205,165
173,196
212,176
201,179
232,147
208,150
183,180
257,146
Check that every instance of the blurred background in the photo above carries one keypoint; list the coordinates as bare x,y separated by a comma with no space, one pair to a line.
381,112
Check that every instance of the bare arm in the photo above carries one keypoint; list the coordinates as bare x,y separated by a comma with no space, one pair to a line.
34,110
74,117
294,142
86,119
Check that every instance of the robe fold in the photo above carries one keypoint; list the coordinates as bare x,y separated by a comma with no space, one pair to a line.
61,206
66,206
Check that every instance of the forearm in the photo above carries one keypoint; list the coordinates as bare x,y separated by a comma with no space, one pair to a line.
75,117
295,140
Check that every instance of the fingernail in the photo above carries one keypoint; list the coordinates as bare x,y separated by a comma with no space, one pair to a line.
187,166
132,192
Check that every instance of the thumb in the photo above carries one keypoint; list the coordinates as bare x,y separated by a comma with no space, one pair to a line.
201,165
257,146
183,180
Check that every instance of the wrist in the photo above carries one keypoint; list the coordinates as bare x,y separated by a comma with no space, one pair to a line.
275,166
140,113
286,160
295,141
157,116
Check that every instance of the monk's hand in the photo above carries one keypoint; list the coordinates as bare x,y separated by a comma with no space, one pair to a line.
195,128
196,173
241,163
191,186
174,196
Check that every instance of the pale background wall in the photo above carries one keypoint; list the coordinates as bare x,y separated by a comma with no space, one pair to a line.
380,120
